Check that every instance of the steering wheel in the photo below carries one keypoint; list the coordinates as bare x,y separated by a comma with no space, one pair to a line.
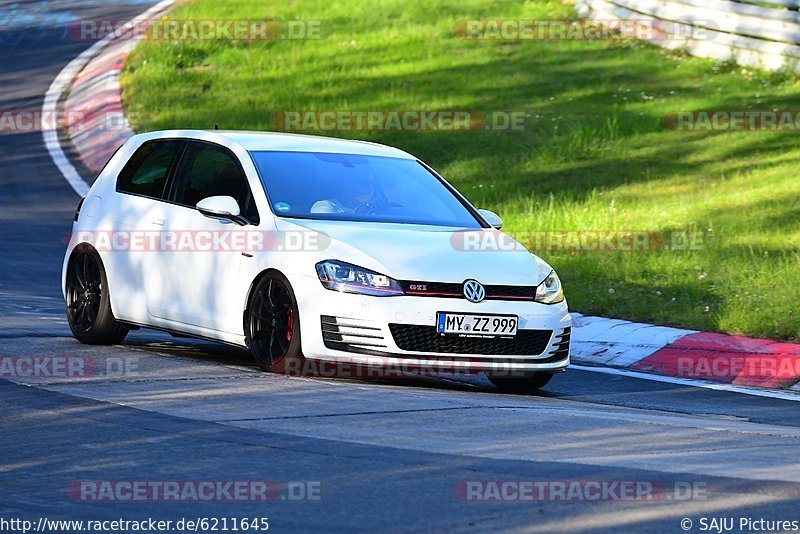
371,207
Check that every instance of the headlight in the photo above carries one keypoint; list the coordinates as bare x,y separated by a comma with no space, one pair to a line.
550,291
340,276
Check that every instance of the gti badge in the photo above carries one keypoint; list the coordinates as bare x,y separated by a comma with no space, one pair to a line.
473,291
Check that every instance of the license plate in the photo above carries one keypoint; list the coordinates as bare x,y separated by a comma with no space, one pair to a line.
476,324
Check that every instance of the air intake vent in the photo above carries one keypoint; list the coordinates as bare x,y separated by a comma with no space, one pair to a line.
350,335
561,348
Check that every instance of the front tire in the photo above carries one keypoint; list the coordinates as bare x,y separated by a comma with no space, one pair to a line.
521,384
272,324
88,303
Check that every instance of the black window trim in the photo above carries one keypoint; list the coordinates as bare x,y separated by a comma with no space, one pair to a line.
170,172
169,184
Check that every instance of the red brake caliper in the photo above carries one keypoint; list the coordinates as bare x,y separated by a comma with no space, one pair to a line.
290,324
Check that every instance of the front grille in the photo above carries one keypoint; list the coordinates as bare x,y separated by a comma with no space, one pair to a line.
421,338
455,290
350,335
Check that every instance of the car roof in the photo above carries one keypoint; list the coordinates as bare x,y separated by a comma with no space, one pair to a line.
285,142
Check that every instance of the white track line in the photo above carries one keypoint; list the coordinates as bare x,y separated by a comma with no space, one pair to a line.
744,390
60,84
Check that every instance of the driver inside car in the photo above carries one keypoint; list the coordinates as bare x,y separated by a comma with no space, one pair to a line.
356,194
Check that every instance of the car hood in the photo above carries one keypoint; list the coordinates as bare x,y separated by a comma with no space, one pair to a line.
426,253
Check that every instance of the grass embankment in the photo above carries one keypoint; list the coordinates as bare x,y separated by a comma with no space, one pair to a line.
594,153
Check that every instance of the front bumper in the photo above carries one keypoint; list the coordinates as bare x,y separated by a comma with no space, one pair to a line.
400,332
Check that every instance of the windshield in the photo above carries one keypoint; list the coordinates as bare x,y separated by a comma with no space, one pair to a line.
351,187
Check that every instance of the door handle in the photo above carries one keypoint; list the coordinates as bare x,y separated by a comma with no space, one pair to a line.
157,221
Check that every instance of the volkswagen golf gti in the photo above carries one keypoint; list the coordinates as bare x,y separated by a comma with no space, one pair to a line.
312,249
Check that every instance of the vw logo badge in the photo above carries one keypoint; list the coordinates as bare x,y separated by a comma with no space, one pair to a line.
473,291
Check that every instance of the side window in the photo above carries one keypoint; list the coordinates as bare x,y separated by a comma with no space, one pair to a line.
146,172
207,171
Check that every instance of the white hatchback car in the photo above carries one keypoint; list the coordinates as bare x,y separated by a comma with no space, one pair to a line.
312,249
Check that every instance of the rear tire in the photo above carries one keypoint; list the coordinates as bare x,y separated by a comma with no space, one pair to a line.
521,384
272,325
88,303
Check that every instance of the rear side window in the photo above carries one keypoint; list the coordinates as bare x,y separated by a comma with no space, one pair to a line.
147,170
206,171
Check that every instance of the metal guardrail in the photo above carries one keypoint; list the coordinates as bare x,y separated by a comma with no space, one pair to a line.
755,33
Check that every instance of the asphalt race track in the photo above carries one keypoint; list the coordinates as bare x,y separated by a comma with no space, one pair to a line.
346,454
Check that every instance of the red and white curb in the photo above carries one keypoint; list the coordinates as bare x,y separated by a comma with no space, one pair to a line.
686,354
93,81
687,357
101,125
